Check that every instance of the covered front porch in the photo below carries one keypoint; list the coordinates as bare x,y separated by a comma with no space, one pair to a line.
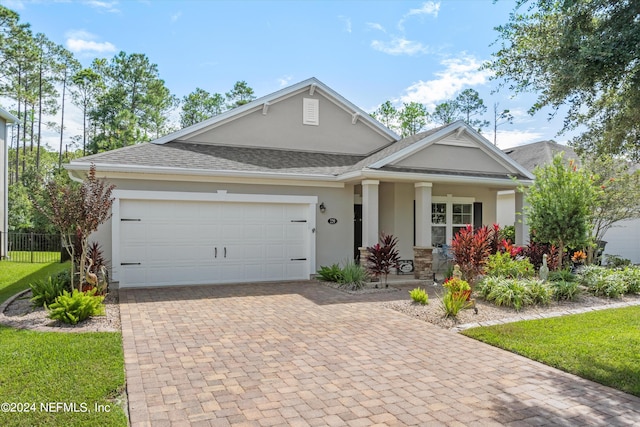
425,214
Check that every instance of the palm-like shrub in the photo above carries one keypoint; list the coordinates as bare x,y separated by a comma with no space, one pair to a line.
470,249
76,306
46,291
383,257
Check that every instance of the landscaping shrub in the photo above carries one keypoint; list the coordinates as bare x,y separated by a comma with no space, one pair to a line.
76,306
330,274
632,276
353,276
516,293
45,291
508,233
601,281
539,292
452,302
419,295
383,257
470,249
564,275
534,251
503,265
564,290
617,261
454,284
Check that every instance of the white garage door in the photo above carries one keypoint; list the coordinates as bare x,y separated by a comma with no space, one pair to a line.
187,242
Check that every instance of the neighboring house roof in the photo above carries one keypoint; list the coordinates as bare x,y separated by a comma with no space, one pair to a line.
539,153
7,116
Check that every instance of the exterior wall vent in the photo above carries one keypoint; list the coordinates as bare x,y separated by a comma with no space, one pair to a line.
310,112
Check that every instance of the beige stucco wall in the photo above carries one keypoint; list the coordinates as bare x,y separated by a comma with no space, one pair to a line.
334,242
396,209
282,128
447,157
505,206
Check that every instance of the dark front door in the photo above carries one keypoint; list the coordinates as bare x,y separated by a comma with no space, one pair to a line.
357,230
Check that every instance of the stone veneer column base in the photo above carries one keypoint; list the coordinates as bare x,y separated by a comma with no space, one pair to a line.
422,263
364,253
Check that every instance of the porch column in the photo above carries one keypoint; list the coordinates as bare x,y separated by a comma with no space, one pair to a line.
370,212
522,229
422,251
423,213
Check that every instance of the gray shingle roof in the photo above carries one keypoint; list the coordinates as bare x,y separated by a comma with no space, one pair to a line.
185,155
226,158
539,153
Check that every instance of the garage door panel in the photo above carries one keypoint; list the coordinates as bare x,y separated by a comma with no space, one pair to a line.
175,242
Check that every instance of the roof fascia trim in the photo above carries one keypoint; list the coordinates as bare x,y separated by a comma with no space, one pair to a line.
9,118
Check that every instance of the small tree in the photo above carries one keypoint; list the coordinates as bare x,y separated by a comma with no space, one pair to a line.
560,202
78,210
617,196
383,257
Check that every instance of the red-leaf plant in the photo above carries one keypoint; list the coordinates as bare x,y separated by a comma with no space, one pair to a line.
470,249
78,211
383,257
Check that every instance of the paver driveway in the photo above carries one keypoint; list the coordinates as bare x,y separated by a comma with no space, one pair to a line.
304,354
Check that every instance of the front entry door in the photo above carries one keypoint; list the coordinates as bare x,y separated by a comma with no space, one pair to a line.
357,231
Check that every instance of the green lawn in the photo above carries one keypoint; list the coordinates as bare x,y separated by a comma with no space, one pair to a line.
70,379
16,276
602,346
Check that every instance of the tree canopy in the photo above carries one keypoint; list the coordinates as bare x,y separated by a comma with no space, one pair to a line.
581,54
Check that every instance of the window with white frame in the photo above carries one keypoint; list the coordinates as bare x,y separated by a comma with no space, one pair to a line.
449,215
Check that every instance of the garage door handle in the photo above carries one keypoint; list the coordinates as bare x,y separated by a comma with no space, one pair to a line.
129,263
225,252
215,253
298,259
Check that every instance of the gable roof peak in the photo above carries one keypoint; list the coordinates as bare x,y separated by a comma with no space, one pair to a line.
314,85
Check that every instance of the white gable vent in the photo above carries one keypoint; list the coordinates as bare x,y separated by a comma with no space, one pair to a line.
310,112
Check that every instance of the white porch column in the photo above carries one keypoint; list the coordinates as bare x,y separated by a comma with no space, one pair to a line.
423,213
522,229
370,212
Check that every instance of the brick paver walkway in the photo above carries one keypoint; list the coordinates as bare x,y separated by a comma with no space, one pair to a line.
303,354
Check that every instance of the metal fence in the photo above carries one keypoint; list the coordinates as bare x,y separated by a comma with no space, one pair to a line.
34,247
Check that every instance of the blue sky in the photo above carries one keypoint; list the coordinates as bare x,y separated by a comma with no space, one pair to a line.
368,51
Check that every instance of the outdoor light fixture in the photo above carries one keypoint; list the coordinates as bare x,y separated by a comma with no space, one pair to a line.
323,208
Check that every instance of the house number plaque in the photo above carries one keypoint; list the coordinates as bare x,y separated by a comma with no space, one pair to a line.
332,221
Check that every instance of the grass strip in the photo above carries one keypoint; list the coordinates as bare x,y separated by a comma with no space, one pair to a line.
47,370
16,276
602,346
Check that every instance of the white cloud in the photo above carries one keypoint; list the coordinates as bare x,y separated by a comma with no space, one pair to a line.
458,73
514,137
176,16
107,6
284,80
400,46
376,26
79,41
347,23
428,8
